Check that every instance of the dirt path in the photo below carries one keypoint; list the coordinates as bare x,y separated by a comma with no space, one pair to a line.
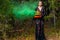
50,34
33,38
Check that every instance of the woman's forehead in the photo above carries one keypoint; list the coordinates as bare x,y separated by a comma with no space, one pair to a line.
40,1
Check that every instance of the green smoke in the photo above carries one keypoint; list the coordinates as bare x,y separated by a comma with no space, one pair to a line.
24,10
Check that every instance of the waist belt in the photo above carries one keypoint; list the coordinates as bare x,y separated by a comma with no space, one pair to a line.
37,14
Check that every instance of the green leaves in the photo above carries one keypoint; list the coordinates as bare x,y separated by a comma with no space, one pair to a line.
24,10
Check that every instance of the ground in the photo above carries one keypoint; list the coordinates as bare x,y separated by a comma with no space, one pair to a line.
50,33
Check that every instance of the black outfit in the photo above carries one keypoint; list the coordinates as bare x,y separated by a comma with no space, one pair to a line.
40,26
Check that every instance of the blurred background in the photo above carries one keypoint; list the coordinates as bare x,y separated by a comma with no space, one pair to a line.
16,19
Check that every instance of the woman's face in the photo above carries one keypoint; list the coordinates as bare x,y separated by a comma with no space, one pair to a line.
40,3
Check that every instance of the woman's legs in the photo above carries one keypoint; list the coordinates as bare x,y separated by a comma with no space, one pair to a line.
40,29
37,28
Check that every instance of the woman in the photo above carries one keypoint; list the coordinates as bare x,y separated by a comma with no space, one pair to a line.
39,19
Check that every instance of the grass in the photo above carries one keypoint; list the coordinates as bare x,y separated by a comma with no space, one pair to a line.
50,34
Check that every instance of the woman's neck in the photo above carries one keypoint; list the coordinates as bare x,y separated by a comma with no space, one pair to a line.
40,6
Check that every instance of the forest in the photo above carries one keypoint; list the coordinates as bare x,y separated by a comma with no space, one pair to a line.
16,19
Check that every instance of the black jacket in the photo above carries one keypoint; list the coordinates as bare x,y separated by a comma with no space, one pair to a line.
42,11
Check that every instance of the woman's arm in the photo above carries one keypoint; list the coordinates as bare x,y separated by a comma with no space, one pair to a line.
43,12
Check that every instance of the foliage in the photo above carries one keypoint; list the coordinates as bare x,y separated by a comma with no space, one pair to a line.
11,11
